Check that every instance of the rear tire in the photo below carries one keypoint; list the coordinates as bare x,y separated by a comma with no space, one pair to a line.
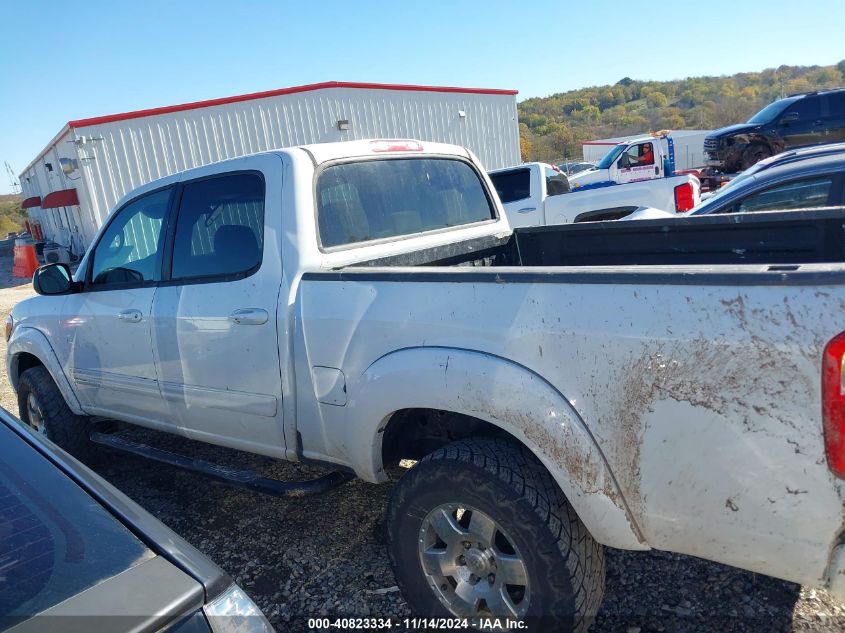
42,406
534,559
754,154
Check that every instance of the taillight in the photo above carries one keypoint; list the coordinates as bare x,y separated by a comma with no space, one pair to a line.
396,146
10,325
684,197
833,404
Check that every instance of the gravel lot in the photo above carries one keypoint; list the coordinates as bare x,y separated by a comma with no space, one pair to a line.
325,555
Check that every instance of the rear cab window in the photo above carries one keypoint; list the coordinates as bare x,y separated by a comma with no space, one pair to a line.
556,182
389,198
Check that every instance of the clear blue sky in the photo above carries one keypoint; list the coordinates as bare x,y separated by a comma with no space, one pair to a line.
63,60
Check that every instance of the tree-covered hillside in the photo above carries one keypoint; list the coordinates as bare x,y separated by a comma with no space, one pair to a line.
11,215
553,128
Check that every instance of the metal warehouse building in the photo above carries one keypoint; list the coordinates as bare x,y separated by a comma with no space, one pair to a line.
73,184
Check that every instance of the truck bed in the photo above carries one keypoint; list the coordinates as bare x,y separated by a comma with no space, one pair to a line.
777,238
686,352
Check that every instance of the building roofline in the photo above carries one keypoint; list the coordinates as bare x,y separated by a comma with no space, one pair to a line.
137,114
65,129
194,105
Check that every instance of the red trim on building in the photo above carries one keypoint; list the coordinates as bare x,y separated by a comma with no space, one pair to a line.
111,118
34,201
63,198
602,142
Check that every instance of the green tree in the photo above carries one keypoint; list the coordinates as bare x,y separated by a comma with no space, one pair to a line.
554,126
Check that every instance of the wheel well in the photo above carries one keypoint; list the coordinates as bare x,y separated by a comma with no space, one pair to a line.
762,141
414,433
25,361
613,213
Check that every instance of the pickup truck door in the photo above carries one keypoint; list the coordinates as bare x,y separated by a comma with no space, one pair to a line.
105,341
214,314
521,193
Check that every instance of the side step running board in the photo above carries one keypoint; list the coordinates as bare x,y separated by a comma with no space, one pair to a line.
248,479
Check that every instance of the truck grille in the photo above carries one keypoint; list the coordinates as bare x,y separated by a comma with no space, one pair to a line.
711,144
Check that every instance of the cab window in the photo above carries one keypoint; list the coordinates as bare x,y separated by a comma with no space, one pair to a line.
129,250
512,185
638,155
806,109
799,194
219,227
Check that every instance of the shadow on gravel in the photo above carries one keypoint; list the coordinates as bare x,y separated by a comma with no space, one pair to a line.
660,591
325,555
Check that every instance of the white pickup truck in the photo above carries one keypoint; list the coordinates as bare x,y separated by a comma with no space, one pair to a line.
536,194
357,304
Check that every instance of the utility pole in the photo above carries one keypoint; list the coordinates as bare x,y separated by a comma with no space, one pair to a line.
13,180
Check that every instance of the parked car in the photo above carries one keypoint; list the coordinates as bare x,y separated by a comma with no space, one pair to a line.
804,179
797,121
76,554
575,167
359,304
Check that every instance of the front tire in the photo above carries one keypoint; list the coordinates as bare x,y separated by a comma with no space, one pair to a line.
42,406
478,529
754,154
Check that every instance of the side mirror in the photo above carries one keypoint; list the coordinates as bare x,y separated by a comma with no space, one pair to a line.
53,279
623,162
788,117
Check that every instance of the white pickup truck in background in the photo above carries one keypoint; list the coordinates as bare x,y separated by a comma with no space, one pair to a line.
536,194
357,304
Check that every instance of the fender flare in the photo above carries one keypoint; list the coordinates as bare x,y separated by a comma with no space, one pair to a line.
495,390
28,340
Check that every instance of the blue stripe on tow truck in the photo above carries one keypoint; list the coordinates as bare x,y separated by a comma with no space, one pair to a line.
594,185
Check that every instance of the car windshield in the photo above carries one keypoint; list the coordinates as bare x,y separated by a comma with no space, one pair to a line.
55,540
607,161
771,111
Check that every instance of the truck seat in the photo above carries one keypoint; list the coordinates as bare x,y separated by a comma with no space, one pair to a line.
343,221
235,249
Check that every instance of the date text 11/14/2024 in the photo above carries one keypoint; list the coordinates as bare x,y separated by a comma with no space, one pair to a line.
422,624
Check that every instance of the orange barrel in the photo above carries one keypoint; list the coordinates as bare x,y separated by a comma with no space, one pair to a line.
25,260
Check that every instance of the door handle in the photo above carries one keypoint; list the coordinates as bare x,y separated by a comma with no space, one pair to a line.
527,209
249,316
130,316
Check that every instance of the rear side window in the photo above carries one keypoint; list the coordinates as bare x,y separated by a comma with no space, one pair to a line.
800,194
377,199
836,103
220,227
512,185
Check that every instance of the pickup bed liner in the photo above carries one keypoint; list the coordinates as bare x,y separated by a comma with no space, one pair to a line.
781,237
